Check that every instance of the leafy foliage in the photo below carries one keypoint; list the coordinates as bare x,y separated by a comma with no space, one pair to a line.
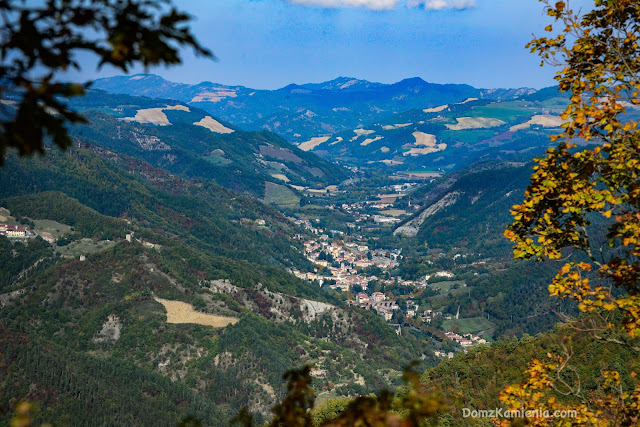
572,189
43,39
411,407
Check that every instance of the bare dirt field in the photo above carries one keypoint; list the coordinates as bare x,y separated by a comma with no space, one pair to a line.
178,108
360,132
544,120
425,144
370,140
150,115
396,126
475,123
313,143
155,116
425,139
280,176
436,109
181,312
213,125
215,96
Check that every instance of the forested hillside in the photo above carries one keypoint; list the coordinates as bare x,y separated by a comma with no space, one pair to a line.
96,308
460,228
187,141
476,379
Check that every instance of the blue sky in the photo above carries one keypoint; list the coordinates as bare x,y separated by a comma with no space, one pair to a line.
268,44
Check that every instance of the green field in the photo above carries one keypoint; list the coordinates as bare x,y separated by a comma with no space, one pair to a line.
446,286
217,159
469,325
468,136
505,111
83,247
48,226
280,195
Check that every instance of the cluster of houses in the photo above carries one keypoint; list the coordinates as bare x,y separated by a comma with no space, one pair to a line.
341,262
14,231
429,315
377,301
466,340
381,219
443,354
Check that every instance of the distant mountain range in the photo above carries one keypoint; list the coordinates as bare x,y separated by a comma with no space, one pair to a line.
300,112
186,140
451,135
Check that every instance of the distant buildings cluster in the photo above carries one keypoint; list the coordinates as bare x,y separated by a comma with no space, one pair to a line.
340,262
14,231
466,340
377,301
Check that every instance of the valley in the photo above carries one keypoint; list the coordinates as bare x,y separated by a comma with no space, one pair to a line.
209,256
319,213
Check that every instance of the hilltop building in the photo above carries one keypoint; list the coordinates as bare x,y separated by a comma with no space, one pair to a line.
13,230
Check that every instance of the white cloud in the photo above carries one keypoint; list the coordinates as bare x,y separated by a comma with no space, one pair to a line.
442,4
370,4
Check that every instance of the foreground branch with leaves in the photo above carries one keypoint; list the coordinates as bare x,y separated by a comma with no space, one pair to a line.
583,204
38,41
411,406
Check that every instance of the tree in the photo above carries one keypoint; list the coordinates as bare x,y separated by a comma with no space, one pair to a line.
583,204
410,406
37,41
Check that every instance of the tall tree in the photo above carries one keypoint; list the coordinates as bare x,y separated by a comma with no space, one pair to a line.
40,39
576,193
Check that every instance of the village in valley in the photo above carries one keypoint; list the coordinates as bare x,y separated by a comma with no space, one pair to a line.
346,263
342,261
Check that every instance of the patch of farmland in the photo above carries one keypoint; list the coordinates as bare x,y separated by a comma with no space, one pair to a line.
213,125
475,123
180,312
313,143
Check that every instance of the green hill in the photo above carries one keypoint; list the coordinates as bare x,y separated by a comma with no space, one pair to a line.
88,325
459,228
475,380
188,141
